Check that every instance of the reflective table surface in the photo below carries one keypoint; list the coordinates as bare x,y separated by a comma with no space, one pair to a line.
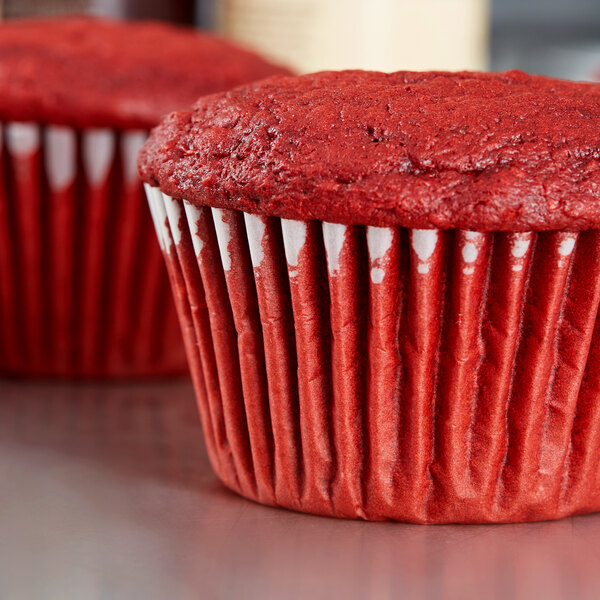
106,493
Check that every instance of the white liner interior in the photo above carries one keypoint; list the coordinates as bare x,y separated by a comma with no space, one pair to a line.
423,242
98,150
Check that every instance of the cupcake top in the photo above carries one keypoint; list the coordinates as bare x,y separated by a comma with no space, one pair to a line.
481,151
86,72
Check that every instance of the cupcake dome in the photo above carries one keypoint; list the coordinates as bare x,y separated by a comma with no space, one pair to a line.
86,72
390,287
83,288
485,151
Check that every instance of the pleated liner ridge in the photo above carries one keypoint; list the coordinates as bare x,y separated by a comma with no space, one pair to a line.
83,287
385,373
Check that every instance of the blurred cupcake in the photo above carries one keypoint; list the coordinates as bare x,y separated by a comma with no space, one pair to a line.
83,289
390,287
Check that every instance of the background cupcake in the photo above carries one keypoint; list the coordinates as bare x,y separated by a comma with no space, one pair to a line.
389,285
83,291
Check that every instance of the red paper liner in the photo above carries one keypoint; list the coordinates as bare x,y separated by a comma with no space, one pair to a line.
83,288
386,373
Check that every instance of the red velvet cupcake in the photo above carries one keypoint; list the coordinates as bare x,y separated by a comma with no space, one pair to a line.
83,288
389,288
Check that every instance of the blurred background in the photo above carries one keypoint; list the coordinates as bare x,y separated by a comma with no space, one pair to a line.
553,37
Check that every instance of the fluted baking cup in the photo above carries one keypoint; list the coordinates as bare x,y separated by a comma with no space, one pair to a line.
83,288
388,373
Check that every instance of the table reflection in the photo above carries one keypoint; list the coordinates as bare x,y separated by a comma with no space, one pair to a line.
105,491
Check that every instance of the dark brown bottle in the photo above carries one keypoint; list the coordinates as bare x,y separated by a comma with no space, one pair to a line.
177,11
